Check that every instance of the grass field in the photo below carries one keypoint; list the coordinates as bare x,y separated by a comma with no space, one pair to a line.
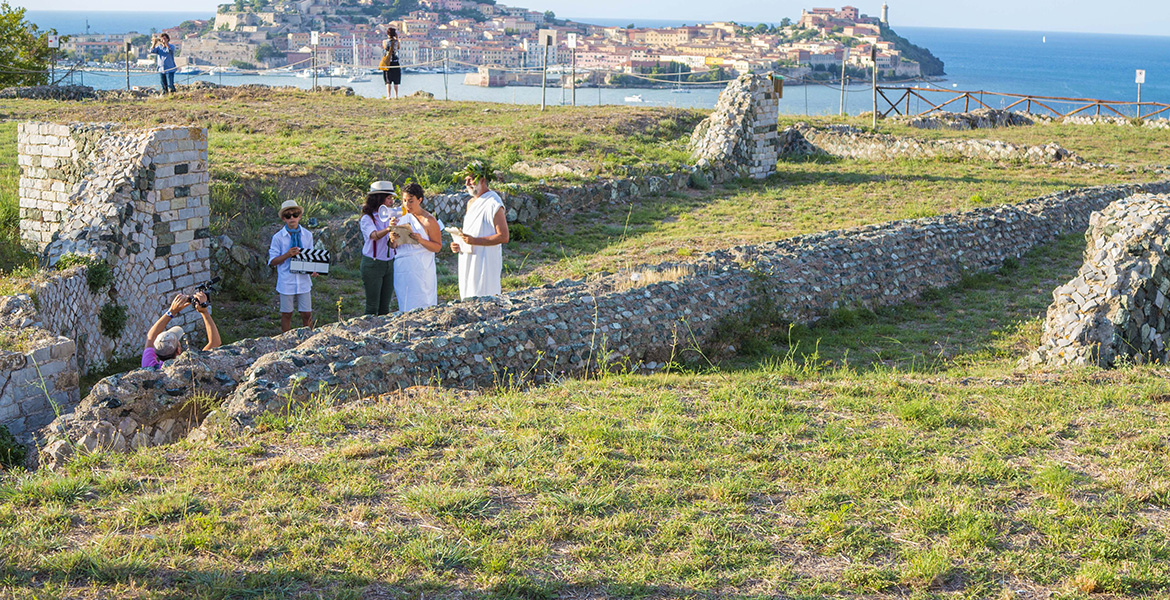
890,454
883,467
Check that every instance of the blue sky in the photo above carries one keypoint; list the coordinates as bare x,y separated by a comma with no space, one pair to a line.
1148,17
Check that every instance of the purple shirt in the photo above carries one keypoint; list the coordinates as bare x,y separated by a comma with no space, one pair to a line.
150,358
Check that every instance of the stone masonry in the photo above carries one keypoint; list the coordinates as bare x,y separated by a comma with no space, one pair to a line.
38,370
740,137
136,200
844,141
1117,307
570,326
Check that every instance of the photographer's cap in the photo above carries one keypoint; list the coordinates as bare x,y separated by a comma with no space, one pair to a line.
382,187
289,204
167,343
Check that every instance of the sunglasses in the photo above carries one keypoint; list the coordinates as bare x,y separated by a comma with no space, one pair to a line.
288,216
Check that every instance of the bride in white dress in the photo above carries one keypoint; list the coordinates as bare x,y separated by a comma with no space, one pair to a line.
485,230
415,284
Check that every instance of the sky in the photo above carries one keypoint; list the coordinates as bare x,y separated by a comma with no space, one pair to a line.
1142,17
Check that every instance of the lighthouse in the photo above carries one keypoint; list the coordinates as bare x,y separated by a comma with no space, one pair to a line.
885,14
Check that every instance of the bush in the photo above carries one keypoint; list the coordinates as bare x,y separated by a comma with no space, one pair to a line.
98,273
12,453
112,319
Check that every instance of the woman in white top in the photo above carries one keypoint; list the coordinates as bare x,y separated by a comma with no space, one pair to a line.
485,230
377,266
415,283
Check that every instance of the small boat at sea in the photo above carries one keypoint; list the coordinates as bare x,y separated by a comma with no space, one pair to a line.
678,89
223,71
190,71
358,78
635,98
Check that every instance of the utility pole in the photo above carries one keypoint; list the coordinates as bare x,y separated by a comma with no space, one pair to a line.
129,46
543,77
1141,78
54,42
873,59
445,74
315,38
844,57
572,41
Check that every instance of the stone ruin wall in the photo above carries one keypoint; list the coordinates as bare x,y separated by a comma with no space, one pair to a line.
740,138
1117,308
137,200
844,141
570,326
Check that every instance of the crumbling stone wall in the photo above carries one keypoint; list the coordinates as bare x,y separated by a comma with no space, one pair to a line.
845,141
38,370
983,118
740,137
570,326
1117,306
134,201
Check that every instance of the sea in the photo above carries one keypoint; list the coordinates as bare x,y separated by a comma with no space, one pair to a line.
985,62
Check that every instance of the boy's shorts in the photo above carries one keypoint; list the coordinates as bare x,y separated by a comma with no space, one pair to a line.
303,302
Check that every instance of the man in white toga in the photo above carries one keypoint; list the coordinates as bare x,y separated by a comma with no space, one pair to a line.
485,230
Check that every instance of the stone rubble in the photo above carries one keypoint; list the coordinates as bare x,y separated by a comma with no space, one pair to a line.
1116,308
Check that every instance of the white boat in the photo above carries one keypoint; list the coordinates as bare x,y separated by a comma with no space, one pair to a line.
358,78
223,71
339,72
305,73
635,98
190,71
679,89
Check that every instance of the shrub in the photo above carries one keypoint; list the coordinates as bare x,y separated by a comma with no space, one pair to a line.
98,273
112,319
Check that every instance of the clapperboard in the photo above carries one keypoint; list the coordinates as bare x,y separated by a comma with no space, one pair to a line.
310,261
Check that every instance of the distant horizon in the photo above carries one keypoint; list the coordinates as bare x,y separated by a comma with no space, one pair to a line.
670,22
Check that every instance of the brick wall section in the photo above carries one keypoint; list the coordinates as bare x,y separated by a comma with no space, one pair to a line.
37,384
740,137
568,326
138,199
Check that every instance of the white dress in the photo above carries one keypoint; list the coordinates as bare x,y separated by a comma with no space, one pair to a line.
415,283
479,270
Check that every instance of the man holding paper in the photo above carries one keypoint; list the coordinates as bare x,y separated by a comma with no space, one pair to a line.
485,230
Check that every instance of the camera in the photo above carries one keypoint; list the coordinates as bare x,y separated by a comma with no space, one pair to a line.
208,288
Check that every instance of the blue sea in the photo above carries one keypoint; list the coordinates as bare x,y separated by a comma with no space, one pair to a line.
1074,65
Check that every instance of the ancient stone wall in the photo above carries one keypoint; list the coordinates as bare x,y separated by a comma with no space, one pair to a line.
740,137
1117,306
38,370
844,141
571,326
976,119
135,199
132,202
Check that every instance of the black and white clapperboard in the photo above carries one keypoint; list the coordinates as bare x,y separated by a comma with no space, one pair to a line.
310,261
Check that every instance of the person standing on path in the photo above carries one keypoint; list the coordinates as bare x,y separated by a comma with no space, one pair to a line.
391,71
378,252
165,52
485,230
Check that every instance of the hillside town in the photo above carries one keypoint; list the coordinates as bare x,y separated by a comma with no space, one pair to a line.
466,35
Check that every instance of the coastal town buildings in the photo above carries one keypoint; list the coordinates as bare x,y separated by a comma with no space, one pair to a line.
466,34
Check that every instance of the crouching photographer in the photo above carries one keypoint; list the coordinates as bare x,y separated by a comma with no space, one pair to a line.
164,344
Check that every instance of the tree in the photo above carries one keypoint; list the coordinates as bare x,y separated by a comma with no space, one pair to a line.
267,51
785,22
550,15
24,49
